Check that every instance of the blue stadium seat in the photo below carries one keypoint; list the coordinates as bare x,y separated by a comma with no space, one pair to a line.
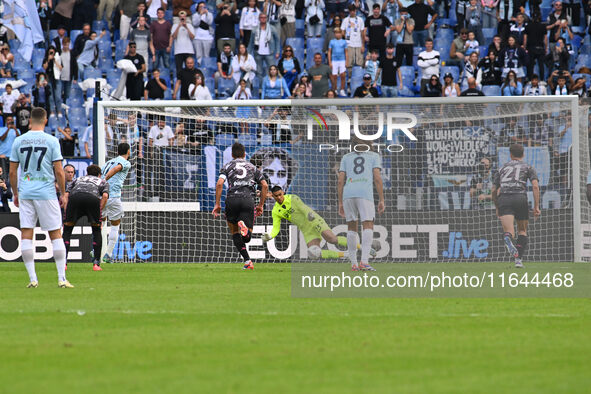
210,83
300,28
296,43
584,60
408,76
52,34
355,83
209,62
445,34
450,69
105,46
224,140
248,140
38,55
491,90
105,64
576,42
357,72
443,51
92,73
74,34
226,87
98,26
52,122
489,32
26,74
76,112
14,45
168,94
75,91
75,101
315,42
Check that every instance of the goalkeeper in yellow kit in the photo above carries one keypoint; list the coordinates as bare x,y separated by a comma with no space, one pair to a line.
291,208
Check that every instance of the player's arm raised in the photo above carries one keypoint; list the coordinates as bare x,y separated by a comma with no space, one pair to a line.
340,187
113,171
536,189
377,180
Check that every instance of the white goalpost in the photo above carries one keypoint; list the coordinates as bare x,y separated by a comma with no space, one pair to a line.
437,184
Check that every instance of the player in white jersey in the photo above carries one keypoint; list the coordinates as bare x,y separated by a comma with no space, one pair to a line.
357,175
35,166
115,171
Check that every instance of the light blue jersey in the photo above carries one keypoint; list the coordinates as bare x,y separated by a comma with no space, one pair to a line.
338,48
358,169
116,181
35,152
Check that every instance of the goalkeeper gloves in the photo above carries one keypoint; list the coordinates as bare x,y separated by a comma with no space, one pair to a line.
266,238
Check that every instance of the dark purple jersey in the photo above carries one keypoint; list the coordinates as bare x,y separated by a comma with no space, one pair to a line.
512,177
242,177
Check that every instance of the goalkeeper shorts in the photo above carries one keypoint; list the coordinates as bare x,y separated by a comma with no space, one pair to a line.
314,229
514,204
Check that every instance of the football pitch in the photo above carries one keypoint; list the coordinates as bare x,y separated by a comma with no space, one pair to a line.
194,328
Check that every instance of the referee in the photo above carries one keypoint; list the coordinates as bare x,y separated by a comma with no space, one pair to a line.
87,196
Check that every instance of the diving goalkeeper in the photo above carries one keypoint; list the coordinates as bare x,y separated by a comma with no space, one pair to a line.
291,208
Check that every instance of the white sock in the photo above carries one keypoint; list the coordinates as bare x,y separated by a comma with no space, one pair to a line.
366,241
28,257
352,246
112,239
59,255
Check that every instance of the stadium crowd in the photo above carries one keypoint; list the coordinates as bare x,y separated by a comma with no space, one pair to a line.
270,49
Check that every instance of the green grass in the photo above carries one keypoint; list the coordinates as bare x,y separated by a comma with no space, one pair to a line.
150,328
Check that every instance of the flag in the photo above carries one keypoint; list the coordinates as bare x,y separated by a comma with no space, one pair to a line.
22,18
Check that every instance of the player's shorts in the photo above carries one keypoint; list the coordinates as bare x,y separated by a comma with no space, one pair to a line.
240,208
47,211
513,204
83,204
338,67
359,209
314,228
114,209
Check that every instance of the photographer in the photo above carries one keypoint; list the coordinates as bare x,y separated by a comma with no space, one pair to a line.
560,82
481,185
5,192
225,21
183,34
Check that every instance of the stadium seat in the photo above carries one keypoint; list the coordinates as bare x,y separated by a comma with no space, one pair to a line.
355,83
576,42
92,73
26,74
52,34
445,34
74,34
489,33
584,60
14,45
105,64
52,122
75,101
491,90
98,26
296,43
300,28
76,112
209,62
210,83
38,55
408,76
226,87
105,46
450,69
224,140
315,42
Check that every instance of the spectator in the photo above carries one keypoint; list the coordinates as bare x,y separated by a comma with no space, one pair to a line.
274,86
160,32
67,141
557,82
472,45
86,143
481,185
516,133
472,89
22,113
378,28
141,36
461,7
390,72
161,135
555,22
105,11
535,41
433,88
428,62
404,26
517,29
62,14
84,13
244,65
81,40
471,68
300,92
42,92
337,60
249,19
489,71
449,88
419,12
559,56
58,41
533,88
457,51
373,68
366,89
7,100
200,135
287,19
44,11
513,58
155,87
88,56
265,45
154,6
52,65
224,63
182,35
289,67
489,13
225,22
198,90
202,21
185,77
314,17
361,7
67,70
319,74
141,12
5,192
353,25
6,62
496,46
512,86
305,80
243,93
3,34
127,8
565,140
579,87
541,134
271,9
135,82
7,136
337,22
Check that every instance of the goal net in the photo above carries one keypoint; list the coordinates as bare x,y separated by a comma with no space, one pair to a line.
438,158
